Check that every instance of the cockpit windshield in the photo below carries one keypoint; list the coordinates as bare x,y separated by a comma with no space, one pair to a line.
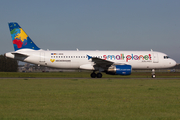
166,57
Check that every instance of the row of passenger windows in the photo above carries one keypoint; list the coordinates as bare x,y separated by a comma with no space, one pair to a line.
165,57
72,57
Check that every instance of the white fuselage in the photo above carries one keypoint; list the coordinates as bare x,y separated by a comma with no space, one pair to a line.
79,59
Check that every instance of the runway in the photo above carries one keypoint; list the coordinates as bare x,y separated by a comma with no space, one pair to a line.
89,78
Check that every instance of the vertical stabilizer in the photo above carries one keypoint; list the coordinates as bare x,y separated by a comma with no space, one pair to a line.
20,39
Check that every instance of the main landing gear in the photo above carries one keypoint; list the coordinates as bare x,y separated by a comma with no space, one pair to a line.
98,75
153,73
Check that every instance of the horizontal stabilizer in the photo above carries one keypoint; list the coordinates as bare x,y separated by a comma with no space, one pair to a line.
22,54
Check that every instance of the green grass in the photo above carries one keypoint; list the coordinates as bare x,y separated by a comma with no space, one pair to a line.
89,99
85,75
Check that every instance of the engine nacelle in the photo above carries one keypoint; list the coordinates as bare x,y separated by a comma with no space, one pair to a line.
119,70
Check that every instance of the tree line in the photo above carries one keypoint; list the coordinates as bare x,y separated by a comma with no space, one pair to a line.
8,64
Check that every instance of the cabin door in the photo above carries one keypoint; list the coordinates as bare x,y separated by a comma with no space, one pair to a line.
155,58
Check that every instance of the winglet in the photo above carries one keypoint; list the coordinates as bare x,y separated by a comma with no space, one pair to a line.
89,57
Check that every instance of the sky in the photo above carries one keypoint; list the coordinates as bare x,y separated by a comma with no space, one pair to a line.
95,24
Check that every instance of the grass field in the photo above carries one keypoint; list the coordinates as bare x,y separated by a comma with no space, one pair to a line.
89,99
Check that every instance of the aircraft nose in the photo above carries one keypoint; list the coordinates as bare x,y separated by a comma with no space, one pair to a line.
172,63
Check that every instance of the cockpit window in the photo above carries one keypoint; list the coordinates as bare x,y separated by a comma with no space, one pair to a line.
166,57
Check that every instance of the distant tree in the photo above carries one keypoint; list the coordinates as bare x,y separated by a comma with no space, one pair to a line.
8,64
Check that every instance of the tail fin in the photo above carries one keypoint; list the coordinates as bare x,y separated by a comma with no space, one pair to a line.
20,39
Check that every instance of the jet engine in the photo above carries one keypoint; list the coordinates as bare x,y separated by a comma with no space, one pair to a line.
119,70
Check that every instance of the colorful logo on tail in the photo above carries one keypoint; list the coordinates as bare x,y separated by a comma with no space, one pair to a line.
20,38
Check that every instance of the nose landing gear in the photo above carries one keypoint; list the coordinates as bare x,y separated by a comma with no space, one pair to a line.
153,73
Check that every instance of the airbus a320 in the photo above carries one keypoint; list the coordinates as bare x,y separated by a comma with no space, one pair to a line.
110,62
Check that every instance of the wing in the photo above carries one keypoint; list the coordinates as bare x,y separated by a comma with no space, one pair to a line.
101,63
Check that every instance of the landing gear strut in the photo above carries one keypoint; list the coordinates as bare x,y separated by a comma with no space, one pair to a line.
153,73
98,75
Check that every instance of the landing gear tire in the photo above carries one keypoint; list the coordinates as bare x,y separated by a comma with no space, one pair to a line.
99,75
153,76
93,75
153,73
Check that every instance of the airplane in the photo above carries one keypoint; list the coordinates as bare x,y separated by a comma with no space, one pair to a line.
110,62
